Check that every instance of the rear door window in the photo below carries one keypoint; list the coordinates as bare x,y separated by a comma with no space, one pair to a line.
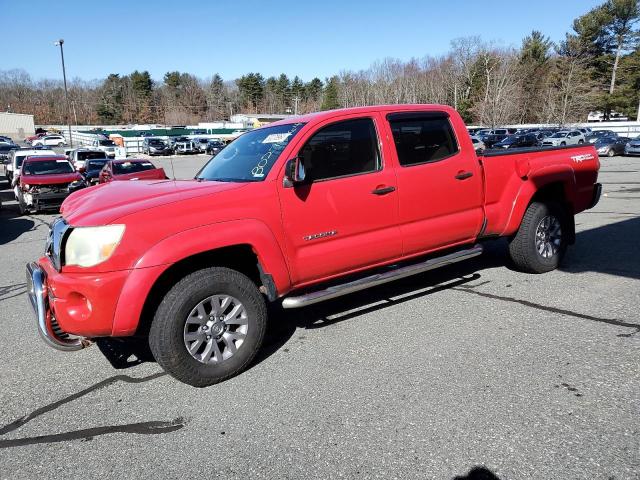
422,139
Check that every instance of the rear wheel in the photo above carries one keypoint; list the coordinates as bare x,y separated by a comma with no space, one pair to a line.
580,142
540,242
61,144
209,326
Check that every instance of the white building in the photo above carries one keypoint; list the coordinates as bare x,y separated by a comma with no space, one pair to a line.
16,125
254,120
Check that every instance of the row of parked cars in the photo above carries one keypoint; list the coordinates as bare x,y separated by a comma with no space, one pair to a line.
181,145
41,179
607,142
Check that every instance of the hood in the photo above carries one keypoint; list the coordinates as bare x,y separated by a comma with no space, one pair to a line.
105,203
50,179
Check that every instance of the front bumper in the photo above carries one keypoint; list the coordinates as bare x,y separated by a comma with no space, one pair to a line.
46,322
45,200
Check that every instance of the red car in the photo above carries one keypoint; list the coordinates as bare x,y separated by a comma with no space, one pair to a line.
297,212
31,138
130,169
44,182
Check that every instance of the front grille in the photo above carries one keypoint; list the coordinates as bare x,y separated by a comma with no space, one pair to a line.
55,188
53,247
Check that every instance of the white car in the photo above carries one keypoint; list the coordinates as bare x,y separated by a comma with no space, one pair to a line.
477,143
106,145
16,157
564,137
79,156
50,140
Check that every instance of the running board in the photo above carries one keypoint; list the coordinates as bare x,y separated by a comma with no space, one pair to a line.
380,278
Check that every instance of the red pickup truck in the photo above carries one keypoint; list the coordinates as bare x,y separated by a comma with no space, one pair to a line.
300,211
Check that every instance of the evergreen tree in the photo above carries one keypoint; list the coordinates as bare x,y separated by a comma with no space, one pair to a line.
330,96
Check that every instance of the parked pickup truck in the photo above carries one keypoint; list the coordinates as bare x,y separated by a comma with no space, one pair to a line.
297,212
44,182
130,169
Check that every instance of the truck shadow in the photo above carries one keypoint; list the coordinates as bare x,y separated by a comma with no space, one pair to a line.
283,323
12,226
612,249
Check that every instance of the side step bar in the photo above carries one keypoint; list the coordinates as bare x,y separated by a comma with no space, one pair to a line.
380,278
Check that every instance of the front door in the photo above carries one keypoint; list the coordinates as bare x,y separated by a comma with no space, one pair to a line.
344,217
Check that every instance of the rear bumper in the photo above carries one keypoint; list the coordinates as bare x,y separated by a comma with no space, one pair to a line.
48,328
597,192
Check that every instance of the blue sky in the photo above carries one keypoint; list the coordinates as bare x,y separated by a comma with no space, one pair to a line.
306,38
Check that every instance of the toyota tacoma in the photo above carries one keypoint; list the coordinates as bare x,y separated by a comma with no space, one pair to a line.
297,212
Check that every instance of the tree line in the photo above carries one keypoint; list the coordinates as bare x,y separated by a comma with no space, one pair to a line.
595,67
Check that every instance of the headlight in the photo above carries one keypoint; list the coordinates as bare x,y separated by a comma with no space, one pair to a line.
89,246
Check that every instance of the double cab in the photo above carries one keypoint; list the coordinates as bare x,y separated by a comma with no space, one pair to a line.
294,213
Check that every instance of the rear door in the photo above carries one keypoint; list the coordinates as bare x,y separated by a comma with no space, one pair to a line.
344,217
439,184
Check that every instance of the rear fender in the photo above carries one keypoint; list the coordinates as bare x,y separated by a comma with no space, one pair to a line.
534,183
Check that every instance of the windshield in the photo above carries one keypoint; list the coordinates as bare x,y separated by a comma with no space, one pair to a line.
107,143
558,135
250,157
96,164
47,167
131,167
87,155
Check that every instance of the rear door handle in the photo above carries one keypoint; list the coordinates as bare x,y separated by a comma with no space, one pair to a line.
463,175
383,190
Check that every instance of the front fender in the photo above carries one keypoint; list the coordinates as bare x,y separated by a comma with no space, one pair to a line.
191,242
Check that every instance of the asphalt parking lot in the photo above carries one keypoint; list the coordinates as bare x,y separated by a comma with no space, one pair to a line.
473,366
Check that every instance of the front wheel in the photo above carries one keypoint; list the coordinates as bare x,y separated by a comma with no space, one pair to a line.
611,153
60,144
580,142
209,326
540,243
563,144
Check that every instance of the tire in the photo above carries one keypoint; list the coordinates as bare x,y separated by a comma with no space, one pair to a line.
563,144
580,142
524,245
60,144
178,315
611,153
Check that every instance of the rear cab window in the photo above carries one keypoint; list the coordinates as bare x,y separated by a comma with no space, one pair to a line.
422,137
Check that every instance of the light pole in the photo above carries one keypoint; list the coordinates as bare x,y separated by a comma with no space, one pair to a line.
66,93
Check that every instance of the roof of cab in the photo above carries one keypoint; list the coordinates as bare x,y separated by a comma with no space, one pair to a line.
327,114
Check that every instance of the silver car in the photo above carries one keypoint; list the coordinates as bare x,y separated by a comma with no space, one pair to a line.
632,147
478,144
564,137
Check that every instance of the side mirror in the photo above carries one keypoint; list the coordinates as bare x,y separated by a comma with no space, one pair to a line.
294,172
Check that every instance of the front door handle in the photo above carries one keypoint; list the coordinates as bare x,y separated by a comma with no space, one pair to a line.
463,175
383,190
